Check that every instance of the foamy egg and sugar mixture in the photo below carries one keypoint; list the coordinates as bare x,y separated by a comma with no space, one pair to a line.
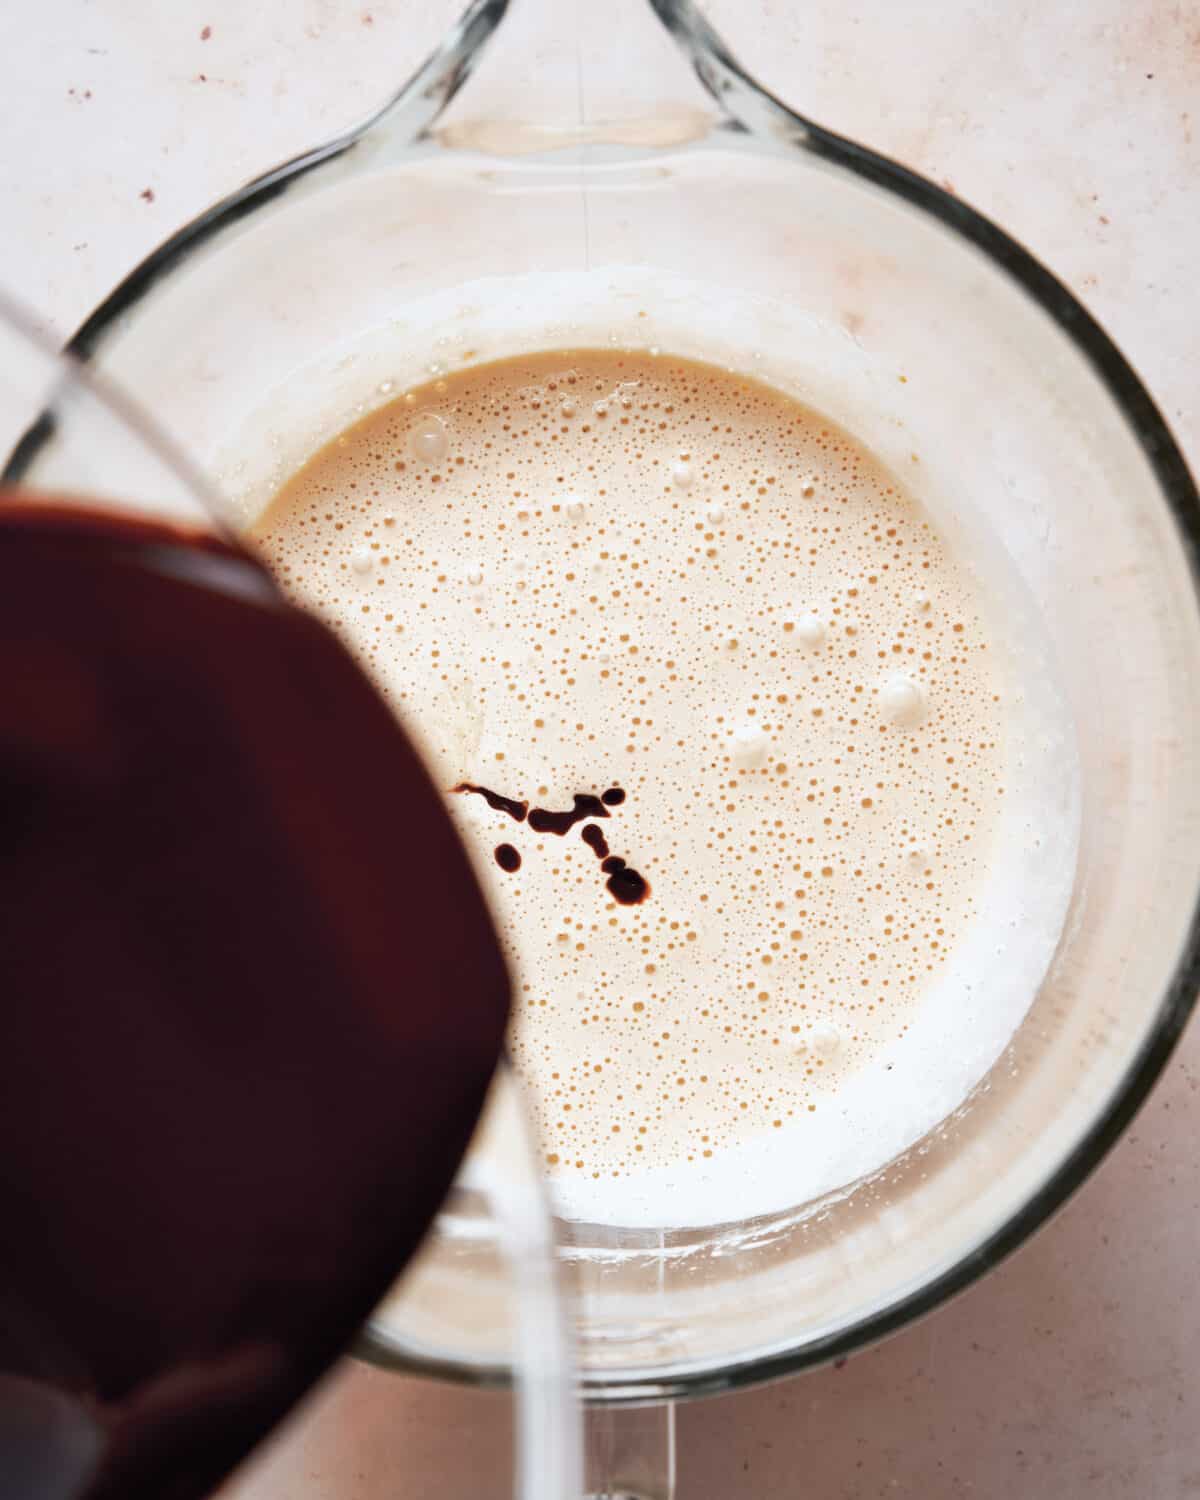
727,719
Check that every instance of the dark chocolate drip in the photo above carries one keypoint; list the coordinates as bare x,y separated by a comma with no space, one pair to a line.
593,837
624,885
510,805
507,857
542,820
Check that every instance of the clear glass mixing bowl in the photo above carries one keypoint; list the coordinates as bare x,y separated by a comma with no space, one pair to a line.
586,177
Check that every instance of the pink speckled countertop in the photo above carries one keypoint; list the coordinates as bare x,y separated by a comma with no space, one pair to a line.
1073,1369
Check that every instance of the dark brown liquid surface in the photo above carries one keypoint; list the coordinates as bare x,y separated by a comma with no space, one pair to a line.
252,996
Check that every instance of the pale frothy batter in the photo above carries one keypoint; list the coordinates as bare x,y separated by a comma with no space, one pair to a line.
665,626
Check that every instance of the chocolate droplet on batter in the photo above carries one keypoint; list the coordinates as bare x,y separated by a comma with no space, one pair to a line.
624,885
594,838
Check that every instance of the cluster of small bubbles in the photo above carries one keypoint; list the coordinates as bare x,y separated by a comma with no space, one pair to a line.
822,1041
808,630
682,474
750,745
903,701
570,572
428,439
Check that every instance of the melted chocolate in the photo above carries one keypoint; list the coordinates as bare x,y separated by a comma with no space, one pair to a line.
542,820
247,1044
509,805
507,857
594,838
624,885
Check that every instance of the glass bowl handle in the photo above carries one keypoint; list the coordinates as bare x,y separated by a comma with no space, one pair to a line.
629,1452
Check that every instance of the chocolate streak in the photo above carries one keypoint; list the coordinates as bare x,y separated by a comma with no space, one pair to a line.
624,884
509,805
542,820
